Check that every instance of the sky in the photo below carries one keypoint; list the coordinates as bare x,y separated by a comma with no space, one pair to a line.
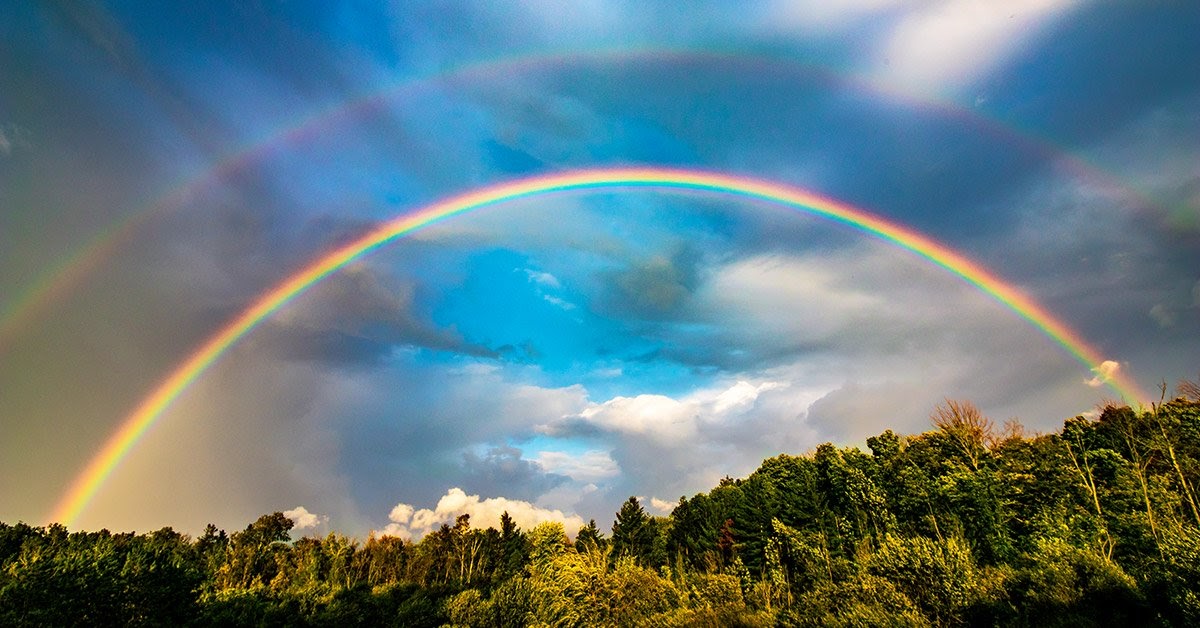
163,165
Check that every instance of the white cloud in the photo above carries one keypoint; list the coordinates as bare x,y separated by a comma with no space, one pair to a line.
409,523
658,416
401,514
542,278
741,394
661,505
667,419
553,300
303,519
943,44
1105,372
589,466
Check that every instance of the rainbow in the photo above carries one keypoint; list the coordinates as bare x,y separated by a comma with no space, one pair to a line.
56,282
118,446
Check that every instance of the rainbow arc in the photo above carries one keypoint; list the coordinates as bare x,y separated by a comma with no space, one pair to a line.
89,481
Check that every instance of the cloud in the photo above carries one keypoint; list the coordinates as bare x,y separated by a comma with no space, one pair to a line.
857,410
11,137
775,308
817,16
401,514
410,523
667,419
657,416
1163,315
1105,372
741,395
588,467
359,315
543,278
556,301
950,42
656,287
545,281
303,519
663,507
504,469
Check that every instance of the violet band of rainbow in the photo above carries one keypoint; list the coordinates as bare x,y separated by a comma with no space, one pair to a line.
85,486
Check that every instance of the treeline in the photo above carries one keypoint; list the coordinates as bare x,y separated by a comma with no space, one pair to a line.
1097,524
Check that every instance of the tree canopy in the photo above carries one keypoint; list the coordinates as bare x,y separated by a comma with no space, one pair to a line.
1095,524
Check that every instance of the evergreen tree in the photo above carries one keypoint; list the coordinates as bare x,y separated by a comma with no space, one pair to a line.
633,532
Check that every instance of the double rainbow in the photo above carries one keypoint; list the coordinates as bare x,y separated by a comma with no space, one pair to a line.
118,446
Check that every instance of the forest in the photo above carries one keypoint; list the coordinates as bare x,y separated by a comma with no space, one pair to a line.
969,523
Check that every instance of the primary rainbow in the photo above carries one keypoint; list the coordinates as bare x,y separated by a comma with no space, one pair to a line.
88,482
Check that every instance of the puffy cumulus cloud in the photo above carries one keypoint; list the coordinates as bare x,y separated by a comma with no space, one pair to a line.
664,419
589,466
1105,372
947,43
741,395
663,506
664,445
303,519
401,514
410,523
668,419
656,416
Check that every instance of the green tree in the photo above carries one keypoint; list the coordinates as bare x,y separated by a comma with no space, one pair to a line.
633,532
590,537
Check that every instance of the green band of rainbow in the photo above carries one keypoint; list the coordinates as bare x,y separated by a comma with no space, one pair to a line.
89,481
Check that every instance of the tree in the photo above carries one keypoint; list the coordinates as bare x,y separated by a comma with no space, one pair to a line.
589,537
633,532
967,428
250,558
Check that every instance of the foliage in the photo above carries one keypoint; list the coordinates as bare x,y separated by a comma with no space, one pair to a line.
1096,524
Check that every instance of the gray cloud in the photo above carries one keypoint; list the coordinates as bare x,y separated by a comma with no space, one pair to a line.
657,287
357,316
503,471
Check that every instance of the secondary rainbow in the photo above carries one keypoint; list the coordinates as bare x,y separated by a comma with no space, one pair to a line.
55,283
118,446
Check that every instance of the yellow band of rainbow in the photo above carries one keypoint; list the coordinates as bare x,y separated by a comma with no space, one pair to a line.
118,446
